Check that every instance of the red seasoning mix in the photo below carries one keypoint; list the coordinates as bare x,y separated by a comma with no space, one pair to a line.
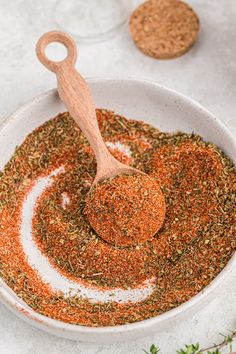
52,258
126,210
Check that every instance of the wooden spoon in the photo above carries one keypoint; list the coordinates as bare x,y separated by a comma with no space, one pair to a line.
145,212
75,93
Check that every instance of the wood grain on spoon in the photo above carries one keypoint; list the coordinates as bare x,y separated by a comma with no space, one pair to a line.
75,93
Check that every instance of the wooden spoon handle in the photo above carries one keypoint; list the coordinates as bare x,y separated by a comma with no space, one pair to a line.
75,93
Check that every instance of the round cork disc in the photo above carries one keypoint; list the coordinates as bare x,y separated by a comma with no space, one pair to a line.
164,29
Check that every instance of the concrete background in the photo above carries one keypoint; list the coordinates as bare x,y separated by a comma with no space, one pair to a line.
207,74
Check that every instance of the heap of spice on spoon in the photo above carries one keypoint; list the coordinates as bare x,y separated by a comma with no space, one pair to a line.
124,206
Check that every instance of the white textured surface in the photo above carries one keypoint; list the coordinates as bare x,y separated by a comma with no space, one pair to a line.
207,74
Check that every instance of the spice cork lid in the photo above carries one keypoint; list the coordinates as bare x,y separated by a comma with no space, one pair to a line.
164,29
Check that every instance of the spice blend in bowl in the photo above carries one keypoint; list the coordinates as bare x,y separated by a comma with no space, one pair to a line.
86,280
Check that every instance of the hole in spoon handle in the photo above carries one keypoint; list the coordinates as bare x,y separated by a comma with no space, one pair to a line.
56,37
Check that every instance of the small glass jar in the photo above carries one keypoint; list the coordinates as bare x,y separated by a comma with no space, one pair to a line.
92,20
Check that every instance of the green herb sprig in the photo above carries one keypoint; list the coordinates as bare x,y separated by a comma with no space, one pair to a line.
153,350
195,348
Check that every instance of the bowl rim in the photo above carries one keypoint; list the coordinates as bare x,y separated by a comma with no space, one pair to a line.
13,302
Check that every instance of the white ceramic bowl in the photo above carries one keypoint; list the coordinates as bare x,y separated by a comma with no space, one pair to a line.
163,108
